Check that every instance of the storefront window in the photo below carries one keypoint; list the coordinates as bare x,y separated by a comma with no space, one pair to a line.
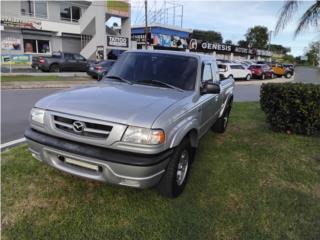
36,46
30,46
34,9
43,46
70,13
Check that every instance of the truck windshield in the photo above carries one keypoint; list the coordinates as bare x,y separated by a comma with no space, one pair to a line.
145,67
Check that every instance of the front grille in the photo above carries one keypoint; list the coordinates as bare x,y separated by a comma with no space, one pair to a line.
88,129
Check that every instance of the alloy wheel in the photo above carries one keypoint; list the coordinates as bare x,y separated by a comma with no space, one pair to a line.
183,166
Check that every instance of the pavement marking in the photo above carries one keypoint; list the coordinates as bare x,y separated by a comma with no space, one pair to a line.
12,143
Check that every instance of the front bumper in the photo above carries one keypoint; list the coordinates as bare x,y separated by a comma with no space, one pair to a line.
123,168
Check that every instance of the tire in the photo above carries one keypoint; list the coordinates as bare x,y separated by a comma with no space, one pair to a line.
248,77
263,77
54,68
288,75
230,76
221,124
170,185
273,76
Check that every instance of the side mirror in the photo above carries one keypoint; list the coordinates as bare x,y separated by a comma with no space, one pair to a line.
210,88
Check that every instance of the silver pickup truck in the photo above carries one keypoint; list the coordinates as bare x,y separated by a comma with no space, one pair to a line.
140,126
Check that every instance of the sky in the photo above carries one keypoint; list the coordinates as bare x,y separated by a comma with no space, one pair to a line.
233,18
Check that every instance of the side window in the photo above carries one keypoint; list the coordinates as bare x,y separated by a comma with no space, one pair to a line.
68,56
79,57
207,73
241,67
233,67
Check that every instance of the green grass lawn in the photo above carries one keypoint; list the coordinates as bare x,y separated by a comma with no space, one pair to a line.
30,78
249,183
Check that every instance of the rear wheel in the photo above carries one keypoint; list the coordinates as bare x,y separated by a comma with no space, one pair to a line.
54,68
230,76
273,76
248,77
175,178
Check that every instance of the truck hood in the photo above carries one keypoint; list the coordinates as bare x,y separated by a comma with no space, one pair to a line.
137,105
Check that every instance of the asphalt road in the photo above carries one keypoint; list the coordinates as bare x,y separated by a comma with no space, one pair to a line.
15,108
307,75
16,104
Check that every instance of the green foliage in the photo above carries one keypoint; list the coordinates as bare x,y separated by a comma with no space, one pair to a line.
209,36
228,42
257,37
313,53
292,107
279,49
243,43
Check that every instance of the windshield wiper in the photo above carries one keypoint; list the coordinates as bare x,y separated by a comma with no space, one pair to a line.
120,79
160,83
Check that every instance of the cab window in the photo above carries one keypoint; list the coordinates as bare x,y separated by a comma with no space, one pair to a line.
207,73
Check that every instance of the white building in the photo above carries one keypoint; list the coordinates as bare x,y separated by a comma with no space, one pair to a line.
41,27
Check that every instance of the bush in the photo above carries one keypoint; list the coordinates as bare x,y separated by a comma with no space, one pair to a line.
293,107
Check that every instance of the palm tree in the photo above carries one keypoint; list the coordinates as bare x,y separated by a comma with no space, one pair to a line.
310,18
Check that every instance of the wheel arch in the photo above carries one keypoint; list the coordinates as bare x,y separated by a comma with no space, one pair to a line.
190,131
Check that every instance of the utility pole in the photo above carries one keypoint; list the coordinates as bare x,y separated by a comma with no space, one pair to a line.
146,22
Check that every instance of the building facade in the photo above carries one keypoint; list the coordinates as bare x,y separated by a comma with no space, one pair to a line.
35,27
174,38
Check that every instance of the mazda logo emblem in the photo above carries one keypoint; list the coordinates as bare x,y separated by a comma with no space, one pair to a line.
78,126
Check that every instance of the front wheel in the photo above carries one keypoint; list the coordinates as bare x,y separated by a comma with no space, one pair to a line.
248,77
175,178
288,75
263,77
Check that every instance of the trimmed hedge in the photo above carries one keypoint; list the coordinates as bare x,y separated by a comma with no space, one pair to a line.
292,107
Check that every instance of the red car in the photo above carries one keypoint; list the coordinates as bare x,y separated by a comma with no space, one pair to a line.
261,71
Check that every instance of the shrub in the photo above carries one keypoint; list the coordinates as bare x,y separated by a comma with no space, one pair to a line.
293,107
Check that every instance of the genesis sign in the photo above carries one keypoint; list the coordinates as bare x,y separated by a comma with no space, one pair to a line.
197,45
114,41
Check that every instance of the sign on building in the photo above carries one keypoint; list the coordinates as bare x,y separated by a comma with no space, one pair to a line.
118,42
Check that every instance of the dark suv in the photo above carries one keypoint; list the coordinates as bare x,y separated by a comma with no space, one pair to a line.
261,71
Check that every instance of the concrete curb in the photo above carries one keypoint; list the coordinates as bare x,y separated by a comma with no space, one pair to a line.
11,144
259,82
46,84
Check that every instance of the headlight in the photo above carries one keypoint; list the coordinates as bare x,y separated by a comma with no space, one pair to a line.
143,135
37,115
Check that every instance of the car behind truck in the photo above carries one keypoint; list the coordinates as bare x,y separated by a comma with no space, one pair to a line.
60,61
140,126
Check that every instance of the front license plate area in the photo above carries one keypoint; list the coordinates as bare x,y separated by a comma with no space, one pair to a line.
81,164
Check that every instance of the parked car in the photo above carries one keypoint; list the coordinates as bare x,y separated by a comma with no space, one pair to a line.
98,70
236,71
60,61
140,126
289,67
280,70
261,71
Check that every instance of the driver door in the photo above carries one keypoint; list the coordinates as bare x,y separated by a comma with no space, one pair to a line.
210,102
